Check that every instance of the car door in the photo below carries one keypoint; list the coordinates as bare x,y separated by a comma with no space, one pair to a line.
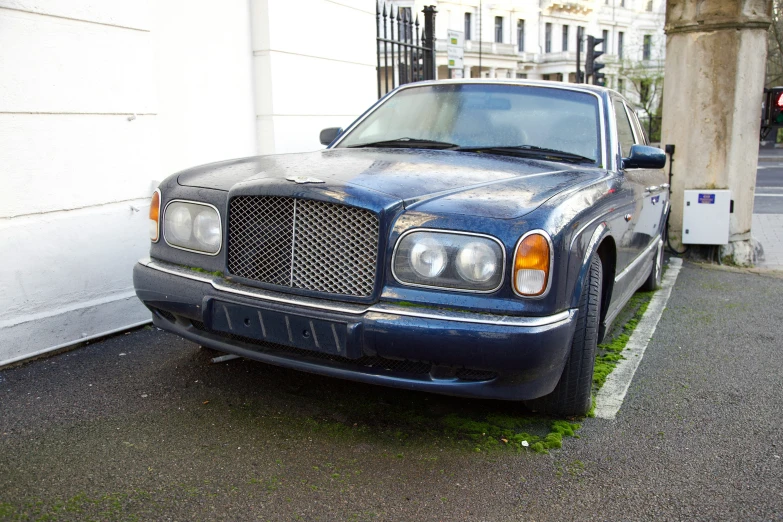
628,247
650,197
656,193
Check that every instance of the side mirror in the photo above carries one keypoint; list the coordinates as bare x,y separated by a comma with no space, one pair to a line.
645,157
330,134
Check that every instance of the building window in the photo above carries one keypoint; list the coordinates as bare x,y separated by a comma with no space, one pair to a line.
545,77
649,5
605,43
647,47
622,3
548,38
468,21
520,35
499,29
565,38
620,38
620,85
522,76
580,33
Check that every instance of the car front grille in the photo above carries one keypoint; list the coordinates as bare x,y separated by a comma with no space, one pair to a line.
300,243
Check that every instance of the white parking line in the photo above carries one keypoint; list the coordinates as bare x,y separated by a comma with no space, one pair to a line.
770,195
610,396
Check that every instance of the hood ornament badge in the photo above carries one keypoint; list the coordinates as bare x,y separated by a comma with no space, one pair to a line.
304,179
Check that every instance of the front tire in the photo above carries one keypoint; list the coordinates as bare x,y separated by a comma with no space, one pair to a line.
572,395
653,281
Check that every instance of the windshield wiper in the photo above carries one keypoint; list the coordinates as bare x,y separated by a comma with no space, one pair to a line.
530,150
413,143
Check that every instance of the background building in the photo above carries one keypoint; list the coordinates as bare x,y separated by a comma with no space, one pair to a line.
537,39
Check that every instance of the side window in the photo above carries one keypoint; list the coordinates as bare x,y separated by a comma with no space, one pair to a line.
644,139
624,129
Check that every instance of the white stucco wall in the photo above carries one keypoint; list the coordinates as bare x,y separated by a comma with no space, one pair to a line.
98,102
314,67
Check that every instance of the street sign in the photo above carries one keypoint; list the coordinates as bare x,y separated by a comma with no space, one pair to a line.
455,49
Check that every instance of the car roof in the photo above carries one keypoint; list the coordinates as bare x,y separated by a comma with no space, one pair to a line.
597,89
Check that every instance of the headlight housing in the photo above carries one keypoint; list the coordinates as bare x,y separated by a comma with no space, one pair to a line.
192,226
451,260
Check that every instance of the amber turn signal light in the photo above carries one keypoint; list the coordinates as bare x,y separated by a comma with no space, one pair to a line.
531,265
155,216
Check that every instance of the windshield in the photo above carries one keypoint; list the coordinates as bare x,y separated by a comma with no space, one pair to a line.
485,116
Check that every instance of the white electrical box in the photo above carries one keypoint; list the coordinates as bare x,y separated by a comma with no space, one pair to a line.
705,217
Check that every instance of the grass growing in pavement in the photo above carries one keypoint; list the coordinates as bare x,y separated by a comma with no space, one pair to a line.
216,273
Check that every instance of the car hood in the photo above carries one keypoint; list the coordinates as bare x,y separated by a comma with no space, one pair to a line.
431,181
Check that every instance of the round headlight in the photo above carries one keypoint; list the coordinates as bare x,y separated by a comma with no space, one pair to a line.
206,228
428,257
477,262
179,223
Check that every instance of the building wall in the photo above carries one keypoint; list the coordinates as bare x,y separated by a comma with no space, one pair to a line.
314,63
98,102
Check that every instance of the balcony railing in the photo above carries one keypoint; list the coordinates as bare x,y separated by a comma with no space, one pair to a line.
566,56
580,6
491,48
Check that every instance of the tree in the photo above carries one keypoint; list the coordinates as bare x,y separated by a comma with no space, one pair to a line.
644,86
775,46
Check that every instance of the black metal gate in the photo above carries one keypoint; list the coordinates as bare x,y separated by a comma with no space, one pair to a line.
407,55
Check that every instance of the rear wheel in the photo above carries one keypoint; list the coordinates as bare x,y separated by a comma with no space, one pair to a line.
573,392
653,281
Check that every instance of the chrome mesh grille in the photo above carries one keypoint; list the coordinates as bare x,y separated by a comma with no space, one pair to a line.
302,243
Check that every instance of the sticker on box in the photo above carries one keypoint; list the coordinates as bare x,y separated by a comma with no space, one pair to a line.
708,199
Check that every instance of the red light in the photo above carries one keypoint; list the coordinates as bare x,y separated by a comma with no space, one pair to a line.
780,100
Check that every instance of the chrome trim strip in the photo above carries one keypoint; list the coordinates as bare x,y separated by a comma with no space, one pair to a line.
638,260
593,241
443,315
540,84
456,233
468,317
201,203
256,293
551,264
293,245
583,228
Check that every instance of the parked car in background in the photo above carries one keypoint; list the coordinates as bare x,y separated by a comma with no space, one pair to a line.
472,238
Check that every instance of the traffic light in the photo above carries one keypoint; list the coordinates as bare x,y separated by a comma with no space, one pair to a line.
774,114
592,67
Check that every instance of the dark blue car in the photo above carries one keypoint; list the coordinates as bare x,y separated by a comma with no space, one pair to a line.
473,238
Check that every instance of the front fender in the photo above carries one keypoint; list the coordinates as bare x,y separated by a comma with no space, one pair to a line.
582,257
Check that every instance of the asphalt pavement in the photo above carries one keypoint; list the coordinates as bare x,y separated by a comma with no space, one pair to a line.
142,427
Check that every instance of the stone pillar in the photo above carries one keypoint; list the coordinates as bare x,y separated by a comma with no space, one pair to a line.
713,83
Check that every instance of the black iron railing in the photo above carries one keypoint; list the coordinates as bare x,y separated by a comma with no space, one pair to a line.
406,52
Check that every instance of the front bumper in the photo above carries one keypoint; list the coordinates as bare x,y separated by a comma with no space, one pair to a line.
450,352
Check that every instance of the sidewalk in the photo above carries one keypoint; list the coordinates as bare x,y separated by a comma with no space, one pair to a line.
768,230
